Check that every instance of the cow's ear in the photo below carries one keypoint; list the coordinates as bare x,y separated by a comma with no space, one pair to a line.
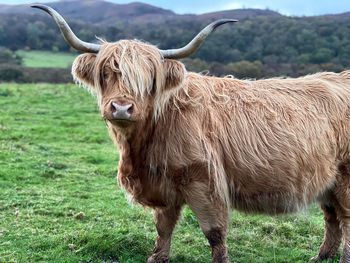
175,73
83,67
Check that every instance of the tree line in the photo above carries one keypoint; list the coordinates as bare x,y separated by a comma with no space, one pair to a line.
259,46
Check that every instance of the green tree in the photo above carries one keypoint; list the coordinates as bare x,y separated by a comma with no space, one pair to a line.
322,55
9,57
196,65
245,69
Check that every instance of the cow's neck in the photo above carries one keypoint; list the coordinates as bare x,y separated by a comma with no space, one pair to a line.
133,150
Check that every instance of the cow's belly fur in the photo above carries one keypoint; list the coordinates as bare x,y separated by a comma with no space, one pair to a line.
272,202
287,193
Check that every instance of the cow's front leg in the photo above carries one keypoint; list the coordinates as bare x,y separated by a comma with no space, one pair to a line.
165,220
212,215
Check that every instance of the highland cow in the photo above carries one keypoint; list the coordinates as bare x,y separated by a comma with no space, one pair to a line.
267,146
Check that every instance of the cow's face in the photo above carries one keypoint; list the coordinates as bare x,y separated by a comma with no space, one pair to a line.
129,79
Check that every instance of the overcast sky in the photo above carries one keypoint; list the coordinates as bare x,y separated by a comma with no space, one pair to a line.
287,7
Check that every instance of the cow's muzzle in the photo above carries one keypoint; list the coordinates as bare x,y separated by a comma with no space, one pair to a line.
119,114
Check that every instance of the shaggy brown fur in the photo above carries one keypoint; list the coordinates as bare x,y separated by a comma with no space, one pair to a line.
268,146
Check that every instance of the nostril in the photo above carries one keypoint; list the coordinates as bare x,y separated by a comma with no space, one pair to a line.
113,108
130,109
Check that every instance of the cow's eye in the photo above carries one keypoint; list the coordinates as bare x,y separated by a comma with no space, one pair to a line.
154,85
103,76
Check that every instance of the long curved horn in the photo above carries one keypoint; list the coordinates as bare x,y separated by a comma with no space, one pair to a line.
195,43
67,33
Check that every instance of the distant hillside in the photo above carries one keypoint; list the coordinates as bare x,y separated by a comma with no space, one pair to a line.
240,14
96,11
103,12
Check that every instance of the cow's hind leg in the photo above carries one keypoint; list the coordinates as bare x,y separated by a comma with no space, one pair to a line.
165,220
332,234
212,216
342,194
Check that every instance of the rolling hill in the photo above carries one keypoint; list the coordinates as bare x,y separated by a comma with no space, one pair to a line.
104,12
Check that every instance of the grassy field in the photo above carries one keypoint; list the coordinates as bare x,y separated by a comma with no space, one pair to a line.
46,59
59,199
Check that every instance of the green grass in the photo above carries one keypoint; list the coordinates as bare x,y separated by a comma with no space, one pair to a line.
59,199
46,59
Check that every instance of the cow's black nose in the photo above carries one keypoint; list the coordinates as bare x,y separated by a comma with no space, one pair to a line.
121,112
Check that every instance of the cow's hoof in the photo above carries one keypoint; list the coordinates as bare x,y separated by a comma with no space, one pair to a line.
319,258
315,259
157,259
